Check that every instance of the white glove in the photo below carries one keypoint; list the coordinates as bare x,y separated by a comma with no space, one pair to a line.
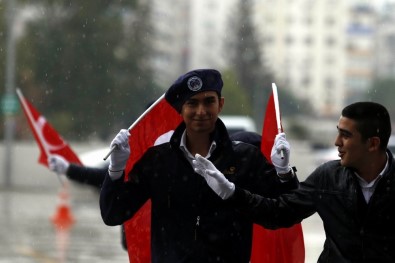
281,163
214,178
120,155
58,164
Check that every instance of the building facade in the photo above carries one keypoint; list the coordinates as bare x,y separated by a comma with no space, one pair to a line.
324,51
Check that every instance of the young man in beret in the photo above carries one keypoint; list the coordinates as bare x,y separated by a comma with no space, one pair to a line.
190,223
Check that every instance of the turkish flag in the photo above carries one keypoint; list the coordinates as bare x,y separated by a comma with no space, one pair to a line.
154,128
48,139
285,245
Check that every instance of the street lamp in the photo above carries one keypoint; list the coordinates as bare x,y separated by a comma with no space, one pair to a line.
9,101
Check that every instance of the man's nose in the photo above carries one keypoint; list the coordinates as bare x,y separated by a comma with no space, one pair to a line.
201,109
337,140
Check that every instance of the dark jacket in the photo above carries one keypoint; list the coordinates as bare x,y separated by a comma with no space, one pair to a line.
87,175
355,231
190,223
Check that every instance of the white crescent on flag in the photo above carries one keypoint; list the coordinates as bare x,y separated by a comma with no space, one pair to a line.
164,137
41,128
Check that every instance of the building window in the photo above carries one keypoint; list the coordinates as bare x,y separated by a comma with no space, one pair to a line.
308,20
330,60
330,41
329,83
308,40
290,20
306,81
330,21
269,39
289,40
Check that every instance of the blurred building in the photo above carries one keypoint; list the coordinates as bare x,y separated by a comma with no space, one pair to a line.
361,48
188,35
385,48
322,51
304,43
170,23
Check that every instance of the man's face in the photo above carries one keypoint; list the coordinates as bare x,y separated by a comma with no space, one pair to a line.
200,112
353,151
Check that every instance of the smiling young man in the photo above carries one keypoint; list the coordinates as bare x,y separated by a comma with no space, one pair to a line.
189,222
354,196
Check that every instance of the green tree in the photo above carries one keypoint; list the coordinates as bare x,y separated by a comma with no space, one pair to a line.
253,75
383,92
237,102
245,53
84,65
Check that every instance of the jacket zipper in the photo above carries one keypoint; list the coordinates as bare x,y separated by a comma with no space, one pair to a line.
197,226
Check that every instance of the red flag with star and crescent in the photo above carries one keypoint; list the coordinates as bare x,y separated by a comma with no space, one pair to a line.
155,127
48,139
285,245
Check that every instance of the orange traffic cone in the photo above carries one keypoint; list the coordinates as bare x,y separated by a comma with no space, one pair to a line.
63,220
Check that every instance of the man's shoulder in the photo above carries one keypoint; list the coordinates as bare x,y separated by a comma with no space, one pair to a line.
160,148
331,171
245,150
239,145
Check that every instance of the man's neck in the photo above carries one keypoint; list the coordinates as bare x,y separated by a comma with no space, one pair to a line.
373,168
198,143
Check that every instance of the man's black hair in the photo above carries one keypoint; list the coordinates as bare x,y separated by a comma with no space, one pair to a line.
372,120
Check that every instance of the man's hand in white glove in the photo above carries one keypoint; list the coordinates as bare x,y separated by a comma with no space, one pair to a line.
281,163
214,178
58,164
120,155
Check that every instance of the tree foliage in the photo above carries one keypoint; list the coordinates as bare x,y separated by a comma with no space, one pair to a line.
383,92
252,74
84,65
245,54
236,101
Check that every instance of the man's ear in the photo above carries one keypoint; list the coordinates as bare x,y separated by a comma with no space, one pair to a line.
374,143
221,103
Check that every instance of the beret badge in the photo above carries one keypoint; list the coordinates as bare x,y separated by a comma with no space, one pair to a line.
195,83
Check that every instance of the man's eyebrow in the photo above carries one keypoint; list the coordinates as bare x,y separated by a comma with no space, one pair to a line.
210,97
344,131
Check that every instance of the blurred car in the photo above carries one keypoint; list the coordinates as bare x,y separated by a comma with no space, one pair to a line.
236,123
325,155
95,158
233,123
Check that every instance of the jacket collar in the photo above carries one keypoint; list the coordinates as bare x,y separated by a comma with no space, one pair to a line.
391,163
219,135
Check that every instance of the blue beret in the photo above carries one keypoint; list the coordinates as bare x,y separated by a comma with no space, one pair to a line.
192,83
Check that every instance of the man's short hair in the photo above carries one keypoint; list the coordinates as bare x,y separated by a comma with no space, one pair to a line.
372,120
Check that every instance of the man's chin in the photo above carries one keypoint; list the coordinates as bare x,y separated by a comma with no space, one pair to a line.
344,163
203,129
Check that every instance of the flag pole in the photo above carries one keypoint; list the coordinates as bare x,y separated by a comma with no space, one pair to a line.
277,110
135,123
30,117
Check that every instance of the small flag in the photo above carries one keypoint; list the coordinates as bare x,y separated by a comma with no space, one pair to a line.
48,139
285,245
